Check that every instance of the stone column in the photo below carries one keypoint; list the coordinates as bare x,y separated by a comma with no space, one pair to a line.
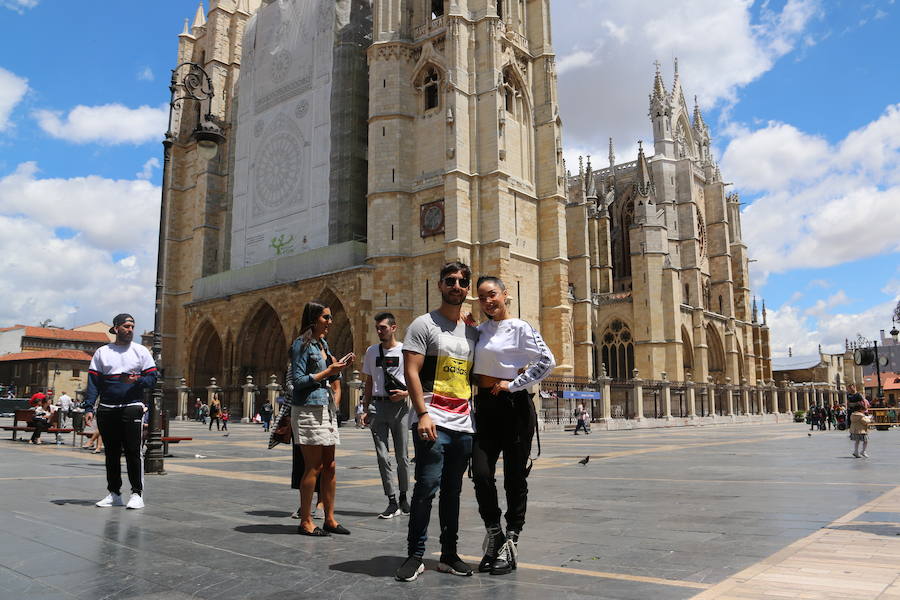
805,391
638,396
667,396
356,385
761,399
745,397
272,389
711,396
606,391
728,394
689,392
249,392
184,393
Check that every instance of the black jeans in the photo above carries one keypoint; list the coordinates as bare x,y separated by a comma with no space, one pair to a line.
503,423
121,429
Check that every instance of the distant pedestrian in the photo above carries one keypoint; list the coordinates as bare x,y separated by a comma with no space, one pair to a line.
360,416
812,417
859,429
226,415
265,415
204,412
197,405
581,420
215,411
65,408
119,373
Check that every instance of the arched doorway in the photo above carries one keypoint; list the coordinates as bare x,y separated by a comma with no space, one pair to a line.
340,341
262,351
716,354
687,352
206,363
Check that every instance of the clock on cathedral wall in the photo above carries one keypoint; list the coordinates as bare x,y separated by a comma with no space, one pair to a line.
431,218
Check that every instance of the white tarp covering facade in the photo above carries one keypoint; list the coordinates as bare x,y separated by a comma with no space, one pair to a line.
283,163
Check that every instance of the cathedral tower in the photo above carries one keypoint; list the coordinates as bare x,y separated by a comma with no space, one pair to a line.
465,157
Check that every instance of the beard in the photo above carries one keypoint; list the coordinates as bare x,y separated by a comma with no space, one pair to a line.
452,300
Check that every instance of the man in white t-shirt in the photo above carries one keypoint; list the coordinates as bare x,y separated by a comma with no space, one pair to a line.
65,406
118,375
387,411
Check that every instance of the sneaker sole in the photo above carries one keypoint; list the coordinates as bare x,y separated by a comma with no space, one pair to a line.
415,575
445,568
388,516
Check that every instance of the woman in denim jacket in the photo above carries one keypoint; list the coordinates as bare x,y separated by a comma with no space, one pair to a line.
317,387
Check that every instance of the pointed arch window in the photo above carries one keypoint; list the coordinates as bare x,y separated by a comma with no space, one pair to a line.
627,222
617,350
437,8
512,97
430,88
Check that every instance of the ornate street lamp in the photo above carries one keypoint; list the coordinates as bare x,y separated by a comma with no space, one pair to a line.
189,82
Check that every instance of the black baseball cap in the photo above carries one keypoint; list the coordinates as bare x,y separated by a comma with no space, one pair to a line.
119,320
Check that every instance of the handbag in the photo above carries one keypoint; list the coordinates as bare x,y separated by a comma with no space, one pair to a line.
390,382
282,432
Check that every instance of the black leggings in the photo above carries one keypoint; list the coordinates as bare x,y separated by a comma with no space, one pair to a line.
216,420
121,429
503,423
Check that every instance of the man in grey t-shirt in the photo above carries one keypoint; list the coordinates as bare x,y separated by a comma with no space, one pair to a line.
438,350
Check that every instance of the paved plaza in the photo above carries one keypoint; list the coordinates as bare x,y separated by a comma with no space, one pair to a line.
750,511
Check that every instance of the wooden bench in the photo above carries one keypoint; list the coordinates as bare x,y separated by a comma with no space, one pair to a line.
26,415
169,439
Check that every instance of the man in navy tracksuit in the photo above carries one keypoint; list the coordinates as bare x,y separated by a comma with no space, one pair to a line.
118,375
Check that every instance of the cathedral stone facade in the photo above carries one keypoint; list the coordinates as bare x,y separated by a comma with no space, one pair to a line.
658,269
370,141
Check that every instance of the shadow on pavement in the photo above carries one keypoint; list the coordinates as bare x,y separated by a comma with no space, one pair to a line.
379,566
268,513
875,529
268,529
79,502
354,513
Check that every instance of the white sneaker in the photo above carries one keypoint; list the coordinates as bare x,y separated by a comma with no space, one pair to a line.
854,455
864,455
135,502
111,500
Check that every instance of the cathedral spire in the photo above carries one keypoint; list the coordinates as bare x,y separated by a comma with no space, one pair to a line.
698,116
185,31
659,93
755,312
764,311
612,157
200,16
643,183
590,188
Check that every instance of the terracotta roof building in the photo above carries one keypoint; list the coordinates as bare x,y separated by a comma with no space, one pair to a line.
46,358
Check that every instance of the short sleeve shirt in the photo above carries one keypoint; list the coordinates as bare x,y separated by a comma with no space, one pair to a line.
393,359
449,351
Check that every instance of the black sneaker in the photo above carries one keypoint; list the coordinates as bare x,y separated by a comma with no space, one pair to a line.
493,541
506,558
390,512
410,570
453,564
404,505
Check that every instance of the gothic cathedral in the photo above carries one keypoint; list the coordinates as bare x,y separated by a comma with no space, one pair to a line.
367,142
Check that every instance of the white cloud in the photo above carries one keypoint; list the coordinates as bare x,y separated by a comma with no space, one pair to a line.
145,74
18,5
12,89
606,58
146,171
44,275
791,327
820,204
106,124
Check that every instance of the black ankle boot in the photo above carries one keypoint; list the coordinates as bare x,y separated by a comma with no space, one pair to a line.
493,541
506,558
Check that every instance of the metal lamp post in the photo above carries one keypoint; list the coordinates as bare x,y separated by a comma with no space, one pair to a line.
189,82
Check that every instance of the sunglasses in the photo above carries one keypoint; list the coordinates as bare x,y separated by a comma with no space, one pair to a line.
327,317
462,281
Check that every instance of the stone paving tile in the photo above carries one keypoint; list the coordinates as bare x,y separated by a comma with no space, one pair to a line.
671,508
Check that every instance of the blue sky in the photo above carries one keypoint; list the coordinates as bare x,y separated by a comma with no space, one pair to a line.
801,96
